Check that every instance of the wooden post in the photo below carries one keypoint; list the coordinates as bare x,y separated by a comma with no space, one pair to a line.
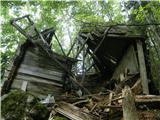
128,105
142,67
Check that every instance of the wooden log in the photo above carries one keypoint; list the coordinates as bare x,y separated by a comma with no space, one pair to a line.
143,99
148,102
142,67
147,98
128,105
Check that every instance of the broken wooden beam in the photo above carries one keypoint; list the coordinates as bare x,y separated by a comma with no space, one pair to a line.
74,113
128,105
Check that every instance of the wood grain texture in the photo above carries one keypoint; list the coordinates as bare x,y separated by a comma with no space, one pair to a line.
142,67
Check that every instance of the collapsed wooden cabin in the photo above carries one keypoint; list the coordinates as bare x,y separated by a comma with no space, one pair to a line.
33,70
119,56
119,52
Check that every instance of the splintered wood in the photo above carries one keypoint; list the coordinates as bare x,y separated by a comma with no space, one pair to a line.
129,108
74,113
125,105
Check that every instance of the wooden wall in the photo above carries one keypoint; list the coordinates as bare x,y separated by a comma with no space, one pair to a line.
38,74
128,61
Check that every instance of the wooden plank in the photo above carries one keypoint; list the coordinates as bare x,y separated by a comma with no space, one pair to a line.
45,89
55,72
42,53
37,79
142,67
128,105
40,75
31,59
72,112
39,88
40,65
41,70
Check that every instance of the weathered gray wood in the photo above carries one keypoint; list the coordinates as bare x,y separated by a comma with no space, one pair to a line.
36,79
17,61
40,75
142,67
32,58
42,53
39,88
40,64
41,70
72,112
128,105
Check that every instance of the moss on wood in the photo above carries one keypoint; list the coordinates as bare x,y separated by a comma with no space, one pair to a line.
19,105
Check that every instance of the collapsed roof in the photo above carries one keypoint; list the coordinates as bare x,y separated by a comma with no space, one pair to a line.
107,47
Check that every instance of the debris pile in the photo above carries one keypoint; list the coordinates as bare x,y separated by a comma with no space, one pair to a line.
109,106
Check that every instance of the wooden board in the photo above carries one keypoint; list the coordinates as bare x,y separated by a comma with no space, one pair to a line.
36,79
34,59
40,70
74,113
39,75
39,88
